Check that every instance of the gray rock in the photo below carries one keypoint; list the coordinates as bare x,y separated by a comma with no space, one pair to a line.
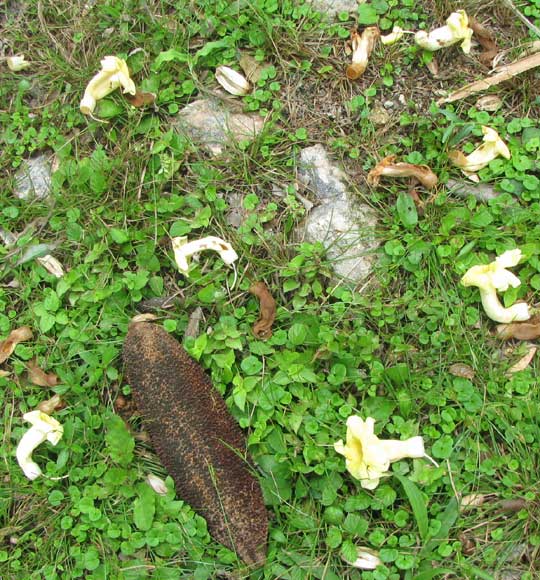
482,191
333,7
343,225
33,180
319,175
213,125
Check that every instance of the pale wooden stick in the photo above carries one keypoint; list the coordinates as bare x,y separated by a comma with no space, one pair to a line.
504,73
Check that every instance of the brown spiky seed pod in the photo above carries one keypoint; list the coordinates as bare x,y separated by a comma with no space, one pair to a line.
197,439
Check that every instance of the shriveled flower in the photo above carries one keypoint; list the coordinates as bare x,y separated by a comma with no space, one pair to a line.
17,63
389,168
456,30
114,73
492,146
368,458
362,46
393,37
184,249
495,277
44,428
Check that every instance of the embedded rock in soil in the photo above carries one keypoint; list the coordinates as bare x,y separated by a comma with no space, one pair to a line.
215,125
33,180
343,225
333,7
482,191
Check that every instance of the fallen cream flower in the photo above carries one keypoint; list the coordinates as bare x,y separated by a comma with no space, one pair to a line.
366,559
394,36
114,73
17,63
493,277
233,82
183,249
368,458
388,168
362,46
492,146
44,428
456,30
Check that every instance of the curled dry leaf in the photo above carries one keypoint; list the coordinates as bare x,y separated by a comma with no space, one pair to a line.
140,98
433,67
195,318
523,362
262,329
146,317
486,39
39,377
473,500
51,405
520,330
389,168
8,345
489,103
252,68
52,265
362,47
461,370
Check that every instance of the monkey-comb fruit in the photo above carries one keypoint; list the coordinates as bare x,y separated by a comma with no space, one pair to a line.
197,439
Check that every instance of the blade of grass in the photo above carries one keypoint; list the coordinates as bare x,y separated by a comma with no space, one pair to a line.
418,505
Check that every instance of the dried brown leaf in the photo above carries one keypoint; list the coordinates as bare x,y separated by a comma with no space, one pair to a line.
39,377
486,39
433,67
523,362
262,329
252,68
8,345
461,370
51,405
141,99
388,168
194,323
529,330
512,505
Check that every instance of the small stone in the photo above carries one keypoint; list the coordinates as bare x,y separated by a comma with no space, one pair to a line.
379,115
332,8
319,175
344,226
388,104
33,180
215,125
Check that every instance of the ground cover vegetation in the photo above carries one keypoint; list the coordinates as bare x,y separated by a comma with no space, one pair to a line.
121,189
